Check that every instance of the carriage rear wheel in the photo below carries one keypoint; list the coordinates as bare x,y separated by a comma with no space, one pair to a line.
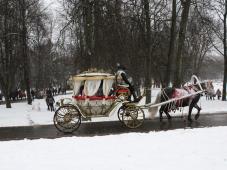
133,116
67,118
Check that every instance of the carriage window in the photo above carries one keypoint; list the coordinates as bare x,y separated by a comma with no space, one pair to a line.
81,90
107,86
100,91
91,87
76,87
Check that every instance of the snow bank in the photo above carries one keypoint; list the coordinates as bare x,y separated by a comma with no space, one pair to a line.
178,149
22,114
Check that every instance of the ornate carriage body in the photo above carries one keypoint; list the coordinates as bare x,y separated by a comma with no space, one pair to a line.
95,95
92,94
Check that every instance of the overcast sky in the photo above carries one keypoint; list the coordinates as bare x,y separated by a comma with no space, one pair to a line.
53,7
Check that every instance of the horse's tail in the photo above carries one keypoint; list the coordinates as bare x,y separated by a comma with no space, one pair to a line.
153,110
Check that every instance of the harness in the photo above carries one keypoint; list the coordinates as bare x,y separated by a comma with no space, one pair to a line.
173,106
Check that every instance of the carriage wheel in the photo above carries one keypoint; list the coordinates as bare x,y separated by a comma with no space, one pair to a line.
67,118
133,116
120,113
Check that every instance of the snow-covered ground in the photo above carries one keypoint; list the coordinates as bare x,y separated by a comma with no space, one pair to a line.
173,150
186,149
22,114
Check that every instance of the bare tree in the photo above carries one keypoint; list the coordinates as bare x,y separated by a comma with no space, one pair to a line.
172,42
148,50
24,36
9,47
182,32
219,28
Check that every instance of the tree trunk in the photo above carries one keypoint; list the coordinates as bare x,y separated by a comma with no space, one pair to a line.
182,31
5,76
25,52
172,42
225,55
7,99
87,16
148,51
97,34
6,92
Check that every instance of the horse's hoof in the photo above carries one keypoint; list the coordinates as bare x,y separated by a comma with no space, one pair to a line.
169,118
197,116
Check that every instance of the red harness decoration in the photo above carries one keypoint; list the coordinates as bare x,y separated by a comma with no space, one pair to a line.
178,93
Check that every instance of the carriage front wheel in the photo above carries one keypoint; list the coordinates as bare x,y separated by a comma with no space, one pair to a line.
120,113
67,118
133,116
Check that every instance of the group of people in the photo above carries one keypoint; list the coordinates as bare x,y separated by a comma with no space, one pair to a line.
39,94
49,94
212,94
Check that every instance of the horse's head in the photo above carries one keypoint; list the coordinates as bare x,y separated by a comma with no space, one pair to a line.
206,86
203,85
200,85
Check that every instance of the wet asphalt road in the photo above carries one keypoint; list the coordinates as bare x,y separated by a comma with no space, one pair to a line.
107,128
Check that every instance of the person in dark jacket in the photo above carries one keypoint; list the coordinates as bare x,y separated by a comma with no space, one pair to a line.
50,103
218,93
33,94
124,79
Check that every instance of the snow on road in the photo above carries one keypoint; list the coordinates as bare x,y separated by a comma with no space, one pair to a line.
175,149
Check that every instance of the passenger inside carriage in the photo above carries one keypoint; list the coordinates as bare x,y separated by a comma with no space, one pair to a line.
99,93
100,90
81,90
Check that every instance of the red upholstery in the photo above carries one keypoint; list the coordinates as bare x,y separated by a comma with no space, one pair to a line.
94,97
110,97
122,90
79,97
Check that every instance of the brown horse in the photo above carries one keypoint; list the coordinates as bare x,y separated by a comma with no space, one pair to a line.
174,93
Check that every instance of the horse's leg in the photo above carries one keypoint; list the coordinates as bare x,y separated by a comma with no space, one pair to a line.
190,112
52,107
160,113
167,114
198,113
48,106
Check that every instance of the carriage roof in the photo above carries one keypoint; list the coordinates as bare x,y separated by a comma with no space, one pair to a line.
92,76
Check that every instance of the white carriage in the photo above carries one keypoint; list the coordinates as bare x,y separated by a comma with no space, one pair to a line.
96,95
